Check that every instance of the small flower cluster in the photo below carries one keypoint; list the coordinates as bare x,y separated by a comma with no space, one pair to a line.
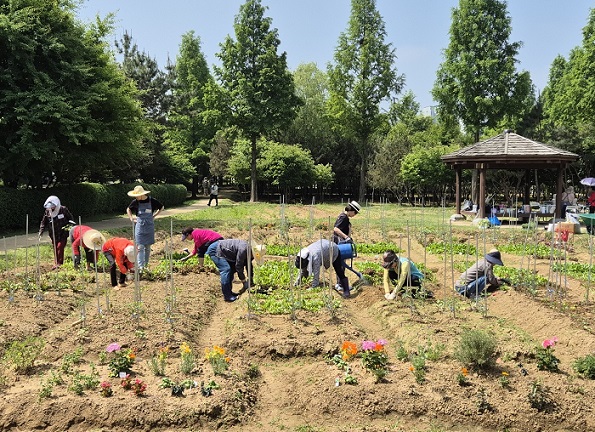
106,389
188,359
137,386
217,358
121,359
375,358
348,350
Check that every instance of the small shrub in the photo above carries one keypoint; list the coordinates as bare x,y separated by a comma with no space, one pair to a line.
539,396
585,366
21,355
476,347
121,360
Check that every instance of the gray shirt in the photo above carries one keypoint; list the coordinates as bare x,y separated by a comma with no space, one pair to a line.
320,253
477,270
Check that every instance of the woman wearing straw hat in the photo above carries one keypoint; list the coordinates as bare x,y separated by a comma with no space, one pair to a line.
57,219
142,211
473,281
232,256
90,239
119,252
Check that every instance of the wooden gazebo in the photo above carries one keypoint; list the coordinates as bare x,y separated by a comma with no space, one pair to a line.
509,151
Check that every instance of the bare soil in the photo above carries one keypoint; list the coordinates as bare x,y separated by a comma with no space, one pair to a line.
294,388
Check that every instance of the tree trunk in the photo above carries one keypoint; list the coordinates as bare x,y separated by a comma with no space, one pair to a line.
253,184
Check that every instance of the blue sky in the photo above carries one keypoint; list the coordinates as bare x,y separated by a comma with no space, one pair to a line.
309,30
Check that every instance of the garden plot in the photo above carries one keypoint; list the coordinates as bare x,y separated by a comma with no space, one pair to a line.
305,360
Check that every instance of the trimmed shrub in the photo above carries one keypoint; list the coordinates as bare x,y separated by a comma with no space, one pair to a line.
476,347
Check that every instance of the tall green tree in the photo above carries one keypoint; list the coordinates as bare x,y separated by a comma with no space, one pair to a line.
65,106
257,93
362,76
477,83
311,127
192,131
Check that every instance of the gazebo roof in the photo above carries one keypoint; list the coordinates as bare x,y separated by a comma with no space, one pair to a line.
509,151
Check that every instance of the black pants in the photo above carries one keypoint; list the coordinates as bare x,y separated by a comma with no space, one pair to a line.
113,270
216,197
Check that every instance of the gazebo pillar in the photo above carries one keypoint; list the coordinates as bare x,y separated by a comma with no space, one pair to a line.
482,191
526,191
559,191
458,190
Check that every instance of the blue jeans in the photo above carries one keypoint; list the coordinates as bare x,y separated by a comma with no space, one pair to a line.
474,288
225,271
143,255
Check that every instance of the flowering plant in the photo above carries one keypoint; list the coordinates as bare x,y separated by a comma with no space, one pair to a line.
126,382
121,359
157,363
348,350
546,360
375,358
188,359
106,389
138,387
462,377
217,358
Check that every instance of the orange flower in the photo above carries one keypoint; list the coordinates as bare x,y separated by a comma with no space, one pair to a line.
411,368
378,347
348,350
464,371
218,350
131,355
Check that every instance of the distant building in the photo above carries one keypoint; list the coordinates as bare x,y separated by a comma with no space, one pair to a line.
430,111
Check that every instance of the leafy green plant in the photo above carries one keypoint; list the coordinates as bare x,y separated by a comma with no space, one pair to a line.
504,381
71,359
585,366
282,302
120,360
539,396
451,248
462,377
418,367
483,403
376,248
21,355
476,347
158,363
272,274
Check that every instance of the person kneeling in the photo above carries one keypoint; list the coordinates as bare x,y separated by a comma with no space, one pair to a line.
473,282
401,272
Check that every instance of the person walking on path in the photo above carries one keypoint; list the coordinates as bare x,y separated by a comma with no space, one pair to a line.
119,252
56,219
142,211
202,240
90,239
232,256
214,194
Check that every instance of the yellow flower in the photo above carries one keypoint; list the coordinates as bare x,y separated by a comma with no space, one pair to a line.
218,350
505,373
185,349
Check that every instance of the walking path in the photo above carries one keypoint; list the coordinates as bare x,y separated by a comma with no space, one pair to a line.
122,221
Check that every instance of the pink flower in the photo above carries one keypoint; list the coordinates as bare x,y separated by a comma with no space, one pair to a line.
549,342
554,339
382,342
368,345
113,347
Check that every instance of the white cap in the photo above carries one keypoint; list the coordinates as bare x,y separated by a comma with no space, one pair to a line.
129,252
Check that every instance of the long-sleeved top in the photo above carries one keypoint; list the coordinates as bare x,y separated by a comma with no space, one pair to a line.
236,252
477,270
320,253
78,231
115,246
55,220
344,225
202,239
404,271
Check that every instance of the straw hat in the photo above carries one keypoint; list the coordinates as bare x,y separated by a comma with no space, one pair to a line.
138,191
355,206
129,252
93,239
258,252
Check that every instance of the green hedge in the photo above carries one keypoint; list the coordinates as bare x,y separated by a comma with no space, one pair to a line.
82,200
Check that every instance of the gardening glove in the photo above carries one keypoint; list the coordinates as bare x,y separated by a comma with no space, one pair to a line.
77,261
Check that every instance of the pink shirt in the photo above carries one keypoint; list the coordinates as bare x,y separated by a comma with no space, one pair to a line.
201,237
